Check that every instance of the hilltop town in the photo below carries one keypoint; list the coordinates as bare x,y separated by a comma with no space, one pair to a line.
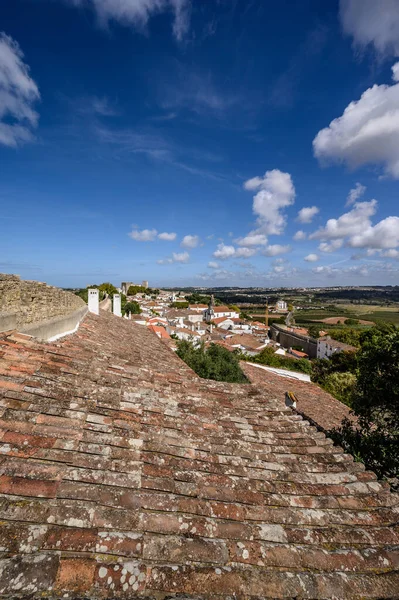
173,316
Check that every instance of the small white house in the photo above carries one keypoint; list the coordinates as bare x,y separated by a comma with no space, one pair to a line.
326,347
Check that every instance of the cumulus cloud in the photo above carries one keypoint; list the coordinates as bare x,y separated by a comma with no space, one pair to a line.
18,94
167,237
367,132
138,12
276,249
374,22
224,251
256,239
213,265
357,229
177,257
348,224
245,252
306,214
276,192
190,241
331,246
300,236
355,193
384,234
311,258
146,235
181,257
391,253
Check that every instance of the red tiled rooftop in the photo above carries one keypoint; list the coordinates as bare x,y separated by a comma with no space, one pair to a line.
124,475
313,402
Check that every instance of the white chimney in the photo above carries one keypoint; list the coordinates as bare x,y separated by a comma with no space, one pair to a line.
93,301
117,305
211,326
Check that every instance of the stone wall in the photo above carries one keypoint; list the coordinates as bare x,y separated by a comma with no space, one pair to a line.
27,304
288,339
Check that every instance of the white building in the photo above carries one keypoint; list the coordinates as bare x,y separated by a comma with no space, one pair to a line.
281,305
326,347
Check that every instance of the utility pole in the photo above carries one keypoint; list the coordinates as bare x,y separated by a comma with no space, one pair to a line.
267,313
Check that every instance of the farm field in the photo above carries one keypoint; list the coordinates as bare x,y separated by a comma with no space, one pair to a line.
363,312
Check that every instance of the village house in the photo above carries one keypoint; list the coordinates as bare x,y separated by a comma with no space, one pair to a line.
326,347
248,344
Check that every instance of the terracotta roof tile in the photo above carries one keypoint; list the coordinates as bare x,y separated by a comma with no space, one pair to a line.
124,475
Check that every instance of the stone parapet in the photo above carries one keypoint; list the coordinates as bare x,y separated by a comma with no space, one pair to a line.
24,305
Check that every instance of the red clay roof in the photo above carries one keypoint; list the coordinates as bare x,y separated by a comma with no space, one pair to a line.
221,319
313,402
159,330
124,475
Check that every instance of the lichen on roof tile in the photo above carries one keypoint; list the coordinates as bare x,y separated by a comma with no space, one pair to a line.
124,475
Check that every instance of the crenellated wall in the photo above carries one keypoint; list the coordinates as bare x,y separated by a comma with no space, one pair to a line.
37,308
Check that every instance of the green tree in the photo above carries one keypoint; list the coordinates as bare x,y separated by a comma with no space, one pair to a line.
215,362
269,357
351,322
346,335
108,288
132,307
375,402
341,386
314,331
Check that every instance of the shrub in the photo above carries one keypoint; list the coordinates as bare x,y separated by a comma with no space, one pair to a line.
270,358
215,363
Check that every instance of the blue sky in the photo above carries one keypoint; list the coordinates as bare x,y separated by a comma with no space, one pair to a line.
231,142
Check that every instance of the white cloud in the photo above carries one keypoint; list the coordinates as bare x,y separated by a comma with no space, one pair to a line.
18,93
177,257
299,236
276,192
138,12
311,258
146,235
367,132
167,237
355,193
190,241
384,234
245,252
331,246
224,251
278,269
391,253
276,249
356,227
257,239
306,214
181,257
373,22
213,265
349,224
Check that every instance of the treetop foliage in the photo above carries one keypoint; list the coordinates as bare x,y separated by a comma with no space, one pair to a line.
215,362
269,357
372,388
